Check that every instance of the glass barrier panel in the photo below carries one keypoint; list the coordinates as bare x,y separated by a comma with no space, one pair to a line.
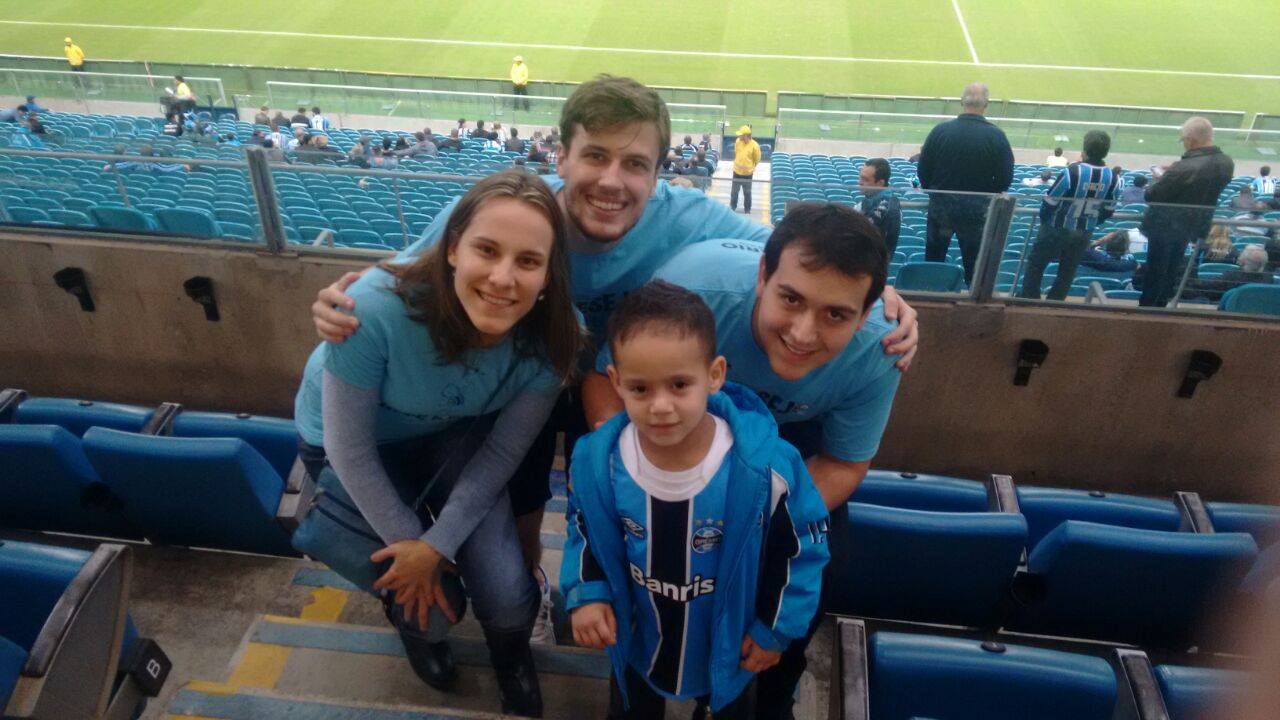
171,191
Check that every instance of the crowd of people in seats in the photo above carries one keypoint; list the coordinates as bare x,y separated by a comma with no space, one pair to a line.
733,374
27,116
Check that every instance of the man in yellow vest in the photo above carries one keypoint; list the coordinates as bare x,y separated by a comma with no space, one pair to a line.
746,156
520,81
75,56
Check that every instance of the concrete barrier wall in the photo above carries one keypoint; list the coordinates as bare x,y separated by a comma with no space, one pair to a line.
1101,413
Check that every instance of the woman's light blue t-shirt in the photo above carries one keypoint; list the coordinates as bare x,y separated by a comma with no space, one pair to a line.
675,218
420,393
851,395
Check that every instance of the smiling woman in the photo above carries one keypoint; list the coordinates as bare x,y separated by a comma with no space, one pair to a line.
420,419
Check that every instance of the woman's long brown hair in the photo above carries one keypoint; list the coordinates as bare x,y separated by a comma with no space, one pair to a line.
550,330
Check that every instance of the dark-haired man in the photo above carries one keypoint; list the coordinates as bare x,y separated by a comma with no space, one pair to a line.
879,203
623,225
799,323
1083,195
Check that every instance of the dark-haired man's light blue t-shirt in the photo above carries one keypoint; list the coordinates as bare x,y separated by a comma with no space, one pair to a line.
851,395
675,218
420,394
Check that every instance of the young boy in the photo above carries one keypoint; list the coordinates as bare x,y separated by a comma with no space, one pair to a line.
696,538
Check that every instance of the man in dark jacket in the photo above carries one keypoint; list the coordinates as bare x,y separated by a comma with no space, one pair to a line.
879,203
1196,180
968,154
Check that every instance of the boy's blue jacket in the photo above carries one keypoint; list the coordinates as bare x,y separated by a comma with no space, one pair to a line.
768,589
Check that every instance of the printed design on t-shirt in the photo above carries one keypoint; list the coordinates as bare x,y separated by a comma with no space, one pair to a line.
779,405
452,395
633,528
707,535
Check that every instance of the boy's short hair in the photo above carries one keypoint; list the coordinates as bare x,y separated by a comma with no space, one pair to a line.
834,236
607,101
660,303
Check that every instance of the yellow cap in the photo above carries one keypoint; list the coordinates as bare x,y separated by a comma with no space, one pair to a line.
744,130
67,40
519,58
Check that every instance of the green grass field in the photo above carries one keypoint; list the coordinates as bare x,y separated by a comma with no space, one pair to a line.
1179,53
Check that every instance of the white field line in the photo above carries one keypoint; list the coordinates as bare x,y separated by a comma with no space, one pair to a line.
964,27
645,51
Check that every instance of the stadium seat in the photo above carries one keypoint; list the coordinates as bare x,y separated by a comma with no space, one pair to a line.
274,438
189,222
77,416
27,214
119,218
65,604
1260,521
71,218
182,491
1253,298
12,658
1147,587
943,567
1047,508
50,485
925,676
1215,269
921,492
930,276
1192,693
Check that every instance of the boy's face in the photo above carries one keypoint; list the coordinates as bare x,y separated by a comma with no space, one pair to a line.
664,379
804,318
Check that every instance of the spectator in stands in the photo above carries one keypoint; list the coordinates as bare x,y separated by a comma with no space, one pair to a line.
1252,262
680,181
625,223
1057,159
299,140
470,343
274,153
500,132
1246,202
879,203
300,119
746,156
965,154
1044,178
1218,247
520,82
1135,192
401,148
317,151
696,168
360,154
423,145
279,119
14,115
1110,254
230,140
34,126
537,154
34,106
705,143
1195,180
319,121
480,133
514,143
1083,195
262,118
671,163
75,56
278,138
453,142
687,145
1262,185
129,166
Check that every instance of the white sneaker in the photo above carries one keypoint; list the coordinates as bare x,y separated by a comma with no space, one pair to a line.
544,630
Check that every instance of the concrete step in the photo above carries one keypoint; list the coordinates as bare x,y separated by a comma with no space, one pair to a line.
257,704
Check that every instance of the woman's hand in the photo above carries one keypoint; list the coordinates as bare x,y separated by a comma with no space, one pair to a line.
414,576
905,339
334,325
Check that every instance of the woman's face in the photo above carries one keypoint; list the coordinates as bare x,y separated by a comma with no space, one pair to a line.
501,265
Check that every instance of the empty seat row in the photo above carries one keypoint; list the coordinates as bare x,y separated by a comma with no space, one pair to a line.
214,480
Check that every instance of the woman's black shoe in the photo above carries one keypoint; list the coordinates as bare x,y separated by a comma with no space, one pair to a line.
432,661
517,678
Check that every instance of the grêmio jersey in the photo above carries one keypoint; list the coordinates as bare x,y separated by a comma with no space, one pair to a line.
673,524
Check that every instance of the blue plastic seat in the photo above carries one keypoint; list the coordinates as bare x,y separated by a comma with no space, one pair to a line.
1047,508
930,276
48,484
183,491
1192,693
182,221
120,218
351,237
936,493
1260,521
275,439
943,567
12,658
77,416
925,676
27,214
1123,294
1147,587
1254,298
71,218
